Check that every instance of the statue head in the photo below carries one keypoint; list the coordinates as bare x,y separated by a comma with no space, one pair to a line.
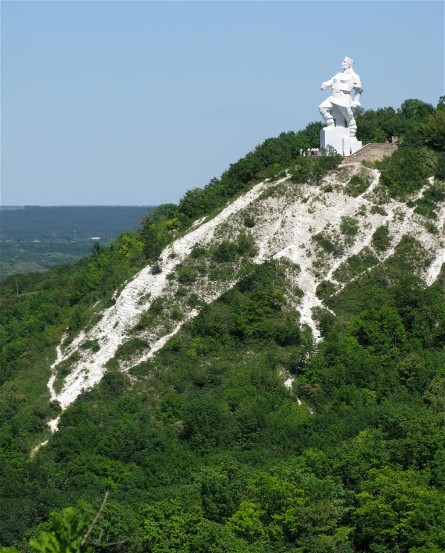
347,63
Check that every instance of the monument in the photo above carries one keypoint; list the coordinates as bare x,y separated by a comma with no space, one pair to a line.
337,110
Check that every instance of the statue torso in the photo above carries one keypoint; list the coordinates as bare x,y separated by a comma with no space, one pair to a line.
342,85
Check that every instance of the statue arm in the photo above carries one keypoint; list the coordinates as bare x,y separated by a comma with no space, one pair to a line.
358,89
356,102
327,84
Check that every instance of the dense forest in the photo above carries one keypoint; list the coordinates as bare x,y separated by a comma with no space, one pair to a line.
202,448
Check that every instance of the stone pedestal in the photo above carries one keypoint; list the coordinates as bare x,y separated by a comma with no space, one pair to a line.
339,139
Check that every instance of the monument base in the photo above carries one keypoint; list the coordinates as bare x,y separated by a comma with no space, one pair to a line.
339,139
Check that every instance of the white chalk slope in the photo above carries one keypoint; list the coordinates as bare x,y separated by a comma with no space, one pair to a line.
286,216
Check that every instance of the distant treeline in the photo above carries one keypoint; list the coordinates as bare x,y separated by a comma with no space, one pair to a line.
70,222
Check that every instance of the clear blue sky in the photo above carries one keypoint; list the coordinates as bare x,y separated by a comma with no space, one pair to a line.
133,103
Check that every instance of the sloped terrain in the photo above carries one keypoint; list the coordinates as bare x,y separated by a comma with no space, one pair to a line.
328,233
259,369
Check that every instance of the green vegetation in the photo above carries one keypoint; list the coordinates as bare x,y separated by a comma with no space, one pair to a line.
406,171
357,185
328,245
419,129
210,450
381,239
227,251
407,123
313,169
36,238
130,348
349,226
355,265
31,257
426,205
202,448
268,160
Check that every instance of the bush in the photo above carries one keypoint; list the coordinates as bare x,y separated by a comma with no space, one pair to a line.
186,275
245,245
349,226
357,185
313,169
440,169
380,238
325,289
93,345
225,251
198,251
156,269
406,171
131,347
327,245
426,205
249,222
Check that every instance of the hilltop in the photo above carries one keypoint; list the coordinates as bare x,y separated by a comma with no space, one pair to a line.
259,368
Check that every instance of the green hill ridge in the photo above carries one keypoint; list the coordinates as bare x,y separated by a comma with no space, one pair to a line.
260,368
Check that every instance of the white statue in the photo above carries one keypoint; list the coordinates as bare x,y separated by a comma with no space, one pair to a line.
337,110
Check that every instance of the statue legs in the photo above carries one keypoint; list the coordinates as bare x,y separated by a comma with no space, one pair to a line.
326,112
327,116
352,127
350,120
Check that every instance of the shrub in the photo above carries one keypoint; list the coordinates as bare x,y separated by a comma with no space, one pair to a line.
93,345
147,318
349,226
426,205
377,210
249,221
380,238
355,265
186,275
198,251
313,169
227,251
327,245
357,185
224,252
406,171
131,347
245,245
176,313
440,169
325,289
156,269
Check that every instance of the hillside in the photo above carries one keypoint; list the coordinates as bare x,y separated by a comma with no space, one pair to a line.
328,236
259,369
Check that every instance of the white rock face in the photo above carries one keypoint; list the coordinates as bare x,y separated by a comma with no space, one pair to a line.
287,217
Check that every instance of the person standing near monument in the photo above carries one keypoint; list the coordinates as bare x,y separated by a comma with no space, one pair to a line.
341,104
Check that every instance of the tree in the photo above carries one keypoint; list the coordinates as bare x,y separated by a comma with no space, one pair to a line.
67,533
406,171
434,130
246,522
398,510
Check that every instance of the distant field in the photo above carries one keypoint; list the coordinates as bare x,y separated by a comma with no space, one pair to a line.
37,238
